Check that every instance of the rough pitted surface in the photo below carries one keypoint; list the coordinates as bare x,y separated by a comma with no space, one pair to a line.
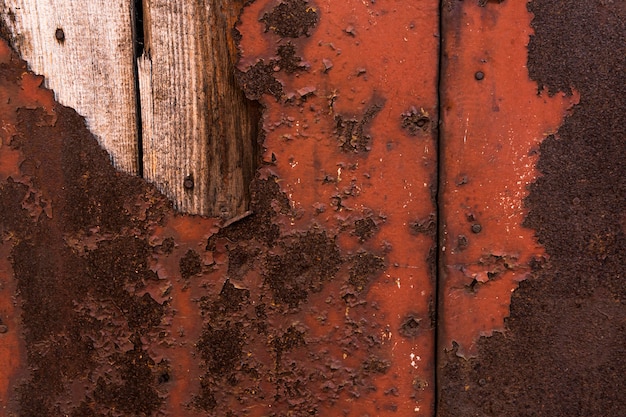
352,134
79,276
563,351
259,80
291,18
305,265
289,61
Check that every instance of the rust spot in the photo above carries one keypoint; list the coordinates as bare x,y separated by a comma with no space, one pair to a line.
190,264
352,133
221,348
259,80
414,121
291,18
365,228
289,61
377,366
306,263
365,268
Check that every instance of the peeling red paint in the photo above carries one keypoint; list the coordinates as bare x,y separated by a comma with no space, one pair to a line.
493,123
334,137
185,325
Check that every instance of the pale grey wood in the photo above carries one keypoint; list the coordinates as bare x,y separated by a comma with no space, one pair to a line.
90,67
196,123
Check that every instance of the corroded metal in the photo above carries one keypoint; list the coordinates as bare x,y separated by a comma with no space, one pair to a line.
320,301
494,118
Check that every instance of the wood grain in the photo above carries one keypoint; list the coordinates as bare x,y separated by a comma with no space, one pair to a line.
197,125
84,48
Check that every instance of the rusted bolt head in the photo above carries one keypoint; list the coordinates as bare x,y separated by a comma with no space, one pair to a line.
188,182
3,328
476,228
59,35
479,75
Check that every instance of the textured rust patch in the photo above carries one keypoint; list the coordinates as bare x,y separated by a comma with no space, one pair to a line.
260,80
304,265
291,18
352,134
562,353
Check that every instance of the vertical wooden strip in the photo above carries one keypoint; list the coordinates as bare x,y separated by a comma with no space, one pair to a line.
199,128
84,48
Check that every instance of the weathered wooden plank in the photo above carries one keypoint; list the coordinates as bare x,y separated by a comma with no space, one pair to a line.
198,128
84,48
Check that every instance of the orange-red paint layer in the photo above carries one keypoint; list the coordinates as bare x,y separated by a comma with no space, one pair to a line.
351,138
494,118
184,326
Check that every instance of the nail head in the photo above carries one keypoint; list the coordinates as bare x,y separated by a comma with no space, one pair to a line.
188,182
59,34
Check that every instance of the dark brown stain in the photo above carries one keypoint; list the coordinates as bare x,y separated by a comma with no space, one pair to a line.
291,18
563,353
414,121
304,265
365,228
190,264
352,133
365,268
259,80
82,270
289,61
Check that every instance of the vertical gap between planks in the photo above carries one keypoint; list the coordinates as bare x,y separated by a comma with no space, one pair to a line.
439,231
138,46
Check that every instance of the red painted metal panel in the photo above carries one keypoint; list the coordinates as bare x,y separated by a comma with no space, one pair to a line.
494,118
350,126
551,209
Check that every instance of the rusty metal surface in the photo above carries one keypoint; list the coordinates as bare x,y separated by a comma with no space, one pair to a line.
561,352
318,302
350,131
494,118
